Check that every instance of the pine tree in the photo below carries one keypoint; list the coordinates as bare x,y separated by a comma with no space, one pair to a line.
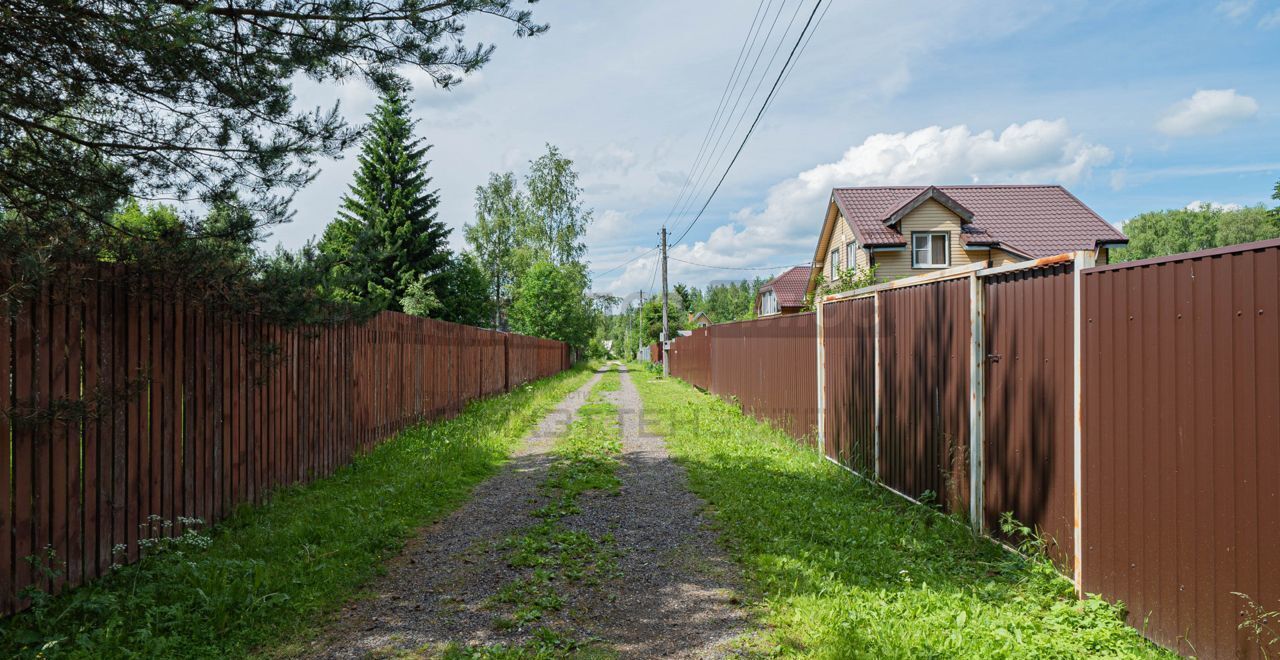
387,234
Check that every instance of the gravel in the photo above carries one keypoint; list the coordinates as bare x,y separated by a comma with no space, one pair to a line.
674,594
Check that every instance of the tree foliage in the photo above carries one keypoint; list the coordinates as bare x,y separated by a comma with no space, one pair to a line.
387,236
518,227
551,301
1160,233
493,236
556,219
105,99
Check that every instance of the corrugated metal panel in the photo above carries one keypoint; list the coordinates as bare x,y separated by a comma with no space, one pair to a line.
849,347
691,358
925,406
770,366
1182,443
1028,456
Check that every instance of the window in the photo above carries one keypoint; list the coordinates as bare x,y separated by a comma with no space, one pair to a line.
835,263
768,302
850,257
930,250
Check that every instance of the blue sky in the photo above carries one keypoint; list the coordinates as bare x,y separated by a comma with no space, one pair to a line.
1133,106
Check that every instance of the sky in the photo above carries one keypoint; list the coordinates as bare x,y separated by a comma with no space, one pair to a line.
1133,106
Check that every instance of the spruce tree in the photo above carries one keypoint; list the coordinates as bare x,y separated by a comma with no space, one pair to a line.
387,234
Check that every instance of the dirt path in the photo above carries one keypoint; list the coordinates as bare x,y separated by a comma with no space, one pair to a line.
670,593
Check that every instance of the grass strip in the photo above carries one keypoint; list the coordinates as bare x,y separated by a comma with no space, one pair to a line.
843,568
552,554
264,578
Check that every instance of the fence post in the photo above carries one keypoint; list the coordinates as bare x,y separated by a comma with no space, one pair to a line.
822,382
977,401
879,387
1083,259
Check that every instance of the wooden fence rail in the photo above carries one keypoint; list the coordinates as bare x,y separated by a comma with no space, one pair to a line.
126,413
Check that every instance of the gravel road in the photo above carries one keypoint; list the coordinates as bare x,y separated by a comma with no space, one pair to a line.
674,592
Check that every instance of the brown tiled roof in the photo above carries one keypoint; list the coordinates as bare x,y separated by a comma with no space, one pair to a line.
1035,221
789,287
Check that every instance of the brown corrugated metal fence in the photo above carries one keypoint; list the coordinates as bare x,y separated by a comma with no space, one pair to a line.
120,406
1178,476
767,365
849,341
1027,435
691,358
1182,443
924,349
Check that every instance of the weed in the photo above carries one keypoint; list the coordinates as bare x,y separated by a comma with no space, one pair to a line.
586,460
1262,626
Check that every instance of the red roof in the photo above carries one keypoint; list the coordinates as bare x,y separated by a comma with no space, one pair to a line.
1035,221
789,287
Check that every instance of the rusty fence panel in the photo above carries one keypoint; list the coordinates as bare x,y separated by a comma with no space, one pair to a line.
1028,457
849,375
1182,443
123,410
924,352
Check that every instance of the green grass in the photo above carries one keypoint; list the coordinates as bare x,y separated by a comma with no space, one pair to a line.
265,578
551,554
843,568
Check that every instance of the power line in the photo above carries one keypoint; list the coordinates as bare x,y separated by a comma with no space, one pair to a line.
692,263
638,256
750,101
703,176
715,118
772,91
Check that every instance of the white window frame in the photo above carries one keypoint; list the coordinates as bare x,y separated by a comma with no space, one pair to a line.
835,263
850,256
930,237
768,303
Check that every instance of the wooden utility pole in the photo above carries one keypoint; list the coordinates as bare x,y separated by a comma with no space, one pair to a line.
665,366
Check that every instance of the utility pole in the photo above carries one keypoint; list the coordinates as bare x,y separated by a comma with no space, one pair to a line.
640,329
666,369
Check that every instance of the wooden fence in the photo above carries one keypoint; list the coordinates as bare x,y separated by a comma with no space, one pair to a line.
126,412
1129,413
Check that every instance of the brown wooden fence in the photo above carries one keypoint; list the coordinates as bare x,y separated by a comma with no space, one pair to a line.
124,411
1129,413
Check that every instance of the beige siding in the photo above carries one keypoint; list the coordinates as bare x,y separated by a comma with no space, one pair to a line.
841,237
933,217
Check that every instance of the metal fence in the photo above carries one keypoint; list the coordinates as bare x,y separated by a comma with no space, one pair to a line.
124,412
1129,413
766,365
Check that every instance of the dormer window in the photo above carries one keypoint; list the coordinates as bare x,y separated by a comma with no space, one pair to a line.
930,250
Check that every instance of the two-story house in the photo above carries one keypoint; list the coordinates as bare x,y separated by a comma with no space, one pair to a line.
908,230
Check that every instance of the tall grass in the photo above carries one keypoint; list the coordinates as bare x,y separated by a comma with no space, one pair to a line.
843,568
262,579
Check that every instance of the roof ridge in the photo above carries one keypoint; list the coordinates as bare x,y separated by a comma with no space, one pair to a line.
953,185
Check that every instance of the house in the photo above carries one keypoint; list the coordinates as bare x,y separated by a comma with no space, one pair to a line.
699,319
783,294
909,230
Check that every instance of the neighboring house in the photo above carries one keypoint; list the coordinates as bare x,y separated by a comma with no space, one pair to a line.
699,320
909,230
783,294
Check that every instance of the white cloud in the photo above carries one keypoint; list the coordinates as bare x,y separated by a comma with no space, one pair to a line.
1037,151
1271,20
1207,112
1235,9
1212,206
